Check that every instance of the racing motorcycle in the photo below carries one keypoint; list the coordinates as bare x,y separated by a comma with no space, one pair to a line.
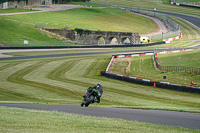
89,97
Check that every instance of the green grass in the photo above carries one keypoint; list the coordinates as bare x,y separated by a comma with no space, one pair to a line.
65,80
188,59
21,120
160,5
142,67
191,36
16,30
21,27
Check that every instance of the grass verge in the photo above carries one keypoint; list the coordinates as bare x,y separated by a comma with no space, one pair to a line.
187,59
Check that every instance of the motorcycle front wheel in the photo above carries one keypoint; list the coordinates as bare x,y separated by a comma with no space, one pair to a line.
90,100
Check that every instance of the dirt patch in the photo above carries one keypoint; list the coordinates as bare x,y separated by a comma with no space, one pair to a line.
123,63
155,64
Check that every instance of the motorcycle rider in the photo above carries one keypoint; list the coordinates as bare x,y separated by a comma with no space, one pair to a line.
99,88
193,84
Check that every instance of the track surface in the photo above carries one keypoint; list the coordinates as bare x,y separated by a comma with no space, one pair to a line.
194,20
169,118
70,54
91,53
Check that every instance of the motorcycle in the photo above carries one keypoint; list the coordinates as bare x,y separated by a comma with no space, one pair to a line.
192,84
195,85
89,98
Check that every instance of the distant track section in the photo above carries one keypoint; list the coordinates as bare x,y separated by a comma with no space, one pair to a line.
88,53
194,20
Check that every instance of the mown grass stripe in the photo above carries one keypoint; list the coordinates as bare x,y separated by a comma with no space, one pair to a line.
116,93
9,95
18,77
8,66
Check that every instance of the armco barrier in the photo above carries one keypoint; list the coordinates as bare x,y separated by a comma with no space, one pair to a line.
186,4
152,83
169,40
146,81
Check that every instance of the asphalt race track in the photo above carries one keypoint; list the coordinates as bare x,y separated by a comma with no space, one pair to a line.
169,118
69,54
191,19
90,53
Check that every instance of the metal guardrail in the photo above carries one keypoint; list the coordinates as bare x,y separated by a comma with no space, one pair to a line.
158,84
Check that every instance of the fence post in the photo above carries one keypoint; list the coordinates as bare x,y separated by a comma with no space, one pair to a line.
9,42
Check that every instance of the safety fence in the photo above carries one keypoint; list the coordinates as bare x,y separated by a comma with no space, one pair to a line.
180,69
151,83
176,68
147,82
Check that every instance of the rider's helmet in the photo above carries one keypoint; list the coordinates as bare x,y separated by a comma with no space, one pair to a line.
98,85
